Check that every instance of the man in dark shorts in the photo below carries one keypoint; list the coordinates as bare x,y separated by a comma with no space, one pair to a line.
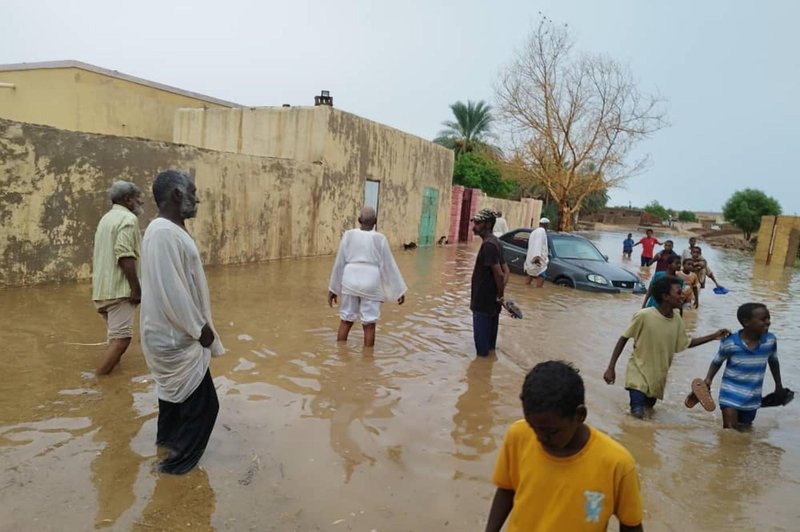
489,280
648,243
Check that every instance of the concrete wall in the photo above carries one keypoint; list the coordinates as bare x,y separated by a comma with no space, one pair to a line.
347,148
778,240
81,100
524,213
53,187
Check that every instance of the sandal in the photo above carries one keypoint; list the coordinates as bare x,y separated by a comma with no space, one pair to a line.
703,394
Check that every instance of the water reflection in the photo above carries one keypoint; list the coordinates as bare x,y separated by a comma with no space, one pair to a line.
329,432
474,417
179,503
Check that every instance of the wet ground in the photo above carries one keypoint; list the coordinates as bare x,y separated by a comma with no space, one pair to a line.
315,436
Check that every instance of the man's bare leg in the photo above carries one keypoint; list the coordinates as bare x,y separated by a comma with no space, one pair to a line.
529,280
116,348
344,330
539,282
369,334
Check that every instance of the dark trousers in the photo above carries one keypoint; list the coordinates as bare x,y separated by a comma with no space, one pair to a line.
184,428
640,401
646,260
484,329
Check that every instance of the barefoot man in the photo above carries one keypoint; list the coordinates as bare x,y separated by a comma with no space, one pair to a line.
115,277
364,276
178,337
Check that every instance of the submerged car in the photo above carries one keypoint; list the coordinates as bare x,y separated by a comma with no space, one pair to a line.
575,262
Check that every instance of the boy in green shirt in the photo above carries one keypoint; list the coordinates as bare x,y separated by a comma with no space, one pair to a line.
658,333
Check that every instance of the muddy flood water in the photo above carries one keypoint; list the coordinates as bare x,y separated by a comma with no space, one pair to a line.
315,436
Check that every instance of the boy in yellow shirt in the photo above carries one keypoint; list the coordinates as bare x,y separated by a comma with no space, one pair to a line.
555,472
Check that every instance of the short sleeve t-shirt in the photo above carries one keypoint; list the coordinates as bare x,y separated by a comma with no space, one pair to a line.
663,259
627,244
118,236
484,290
651,301
744,370
575,493
656,339
648,244
690,281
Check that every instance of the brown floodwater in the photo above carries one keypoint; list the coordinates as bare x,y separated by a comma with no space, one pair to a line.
316,436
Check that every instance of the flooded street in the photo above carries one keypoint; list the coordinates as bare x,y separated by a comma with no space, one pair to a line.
315,436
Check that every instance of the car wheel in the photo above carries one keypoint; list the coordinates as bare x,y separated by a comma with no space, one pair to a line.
564,281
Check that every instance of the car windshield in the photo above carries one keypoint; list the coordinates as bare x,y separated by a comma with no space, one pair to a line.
576,248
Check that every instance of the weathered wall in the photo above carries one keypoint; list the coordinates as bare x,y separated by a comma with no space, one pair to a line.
525,213
348,148
782,235
81,100
53,187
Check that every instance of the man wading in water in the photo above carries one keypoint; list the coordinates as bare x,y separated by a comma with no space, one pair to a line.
364,276
115,278
178,337
489,280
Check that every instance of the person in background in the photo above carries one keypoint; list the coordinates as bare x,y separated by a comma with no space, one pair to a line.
662,257
115,270
554,471
627,247
500,225
687,253
746,355
658,333
538,254
673,265
648,243
489,280
691,284
364,275
701,267
178,336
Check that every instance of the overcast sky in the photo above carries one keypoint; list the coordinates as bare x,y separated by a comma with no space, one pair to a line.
729,69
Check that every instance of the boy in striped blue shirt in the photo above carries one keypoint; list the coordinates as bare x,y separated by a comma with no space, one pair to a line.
747,354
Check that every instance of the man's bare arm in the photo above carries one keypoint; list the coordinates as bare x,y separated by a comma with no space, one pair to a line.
499,280
128,265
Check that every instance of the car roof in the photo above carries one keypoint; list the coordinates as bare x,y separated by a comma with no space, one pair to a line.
550,233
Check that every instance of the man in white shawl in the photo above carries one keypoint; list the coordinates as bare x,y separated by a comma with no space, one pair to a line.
178,336
364,276
538,254
500,225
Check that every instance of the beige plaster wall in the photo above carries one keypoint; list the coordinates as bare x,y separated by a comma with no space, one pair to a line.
349,150
524,213
784,248
53,187
82,100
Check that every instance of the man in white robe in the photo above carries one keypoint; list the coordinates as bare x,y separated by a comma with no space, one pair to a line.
364,275
178,336
538,254
500,225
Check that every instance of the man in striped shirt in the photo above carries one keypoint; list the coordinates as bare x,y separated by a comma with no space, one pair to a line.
747,354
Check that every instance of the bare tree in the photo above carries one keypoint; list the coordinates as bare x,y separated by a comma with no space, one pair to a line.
574,118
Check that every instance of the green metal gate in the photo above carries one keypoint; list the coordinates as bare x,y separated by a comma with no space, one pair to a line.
427,222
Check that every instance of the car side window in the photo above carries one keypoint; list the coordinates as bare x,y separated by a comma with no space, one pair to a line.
521,239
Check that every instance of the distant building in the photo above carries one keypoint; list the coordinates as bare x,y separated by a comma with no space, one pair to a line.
710,219
81,97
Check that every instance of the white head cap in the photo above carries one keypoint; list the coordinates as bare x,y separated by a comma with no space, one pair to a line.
544,221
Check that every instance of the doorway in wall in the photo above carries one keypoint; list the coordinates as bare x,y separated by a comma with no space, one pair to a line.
427,222
372,194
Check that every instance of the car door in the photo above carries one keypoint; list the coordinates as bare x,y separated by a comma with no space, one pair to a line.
515,249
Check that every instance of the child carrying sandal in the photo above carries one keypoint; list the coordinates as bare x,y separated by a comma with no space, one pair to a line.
746,355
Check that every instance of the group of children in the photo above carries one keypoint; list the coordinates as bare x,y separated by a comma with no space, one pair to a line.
555,472
690,267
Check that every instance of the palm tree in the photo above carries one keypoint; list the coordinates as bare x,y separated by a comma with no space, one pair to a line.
470,130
